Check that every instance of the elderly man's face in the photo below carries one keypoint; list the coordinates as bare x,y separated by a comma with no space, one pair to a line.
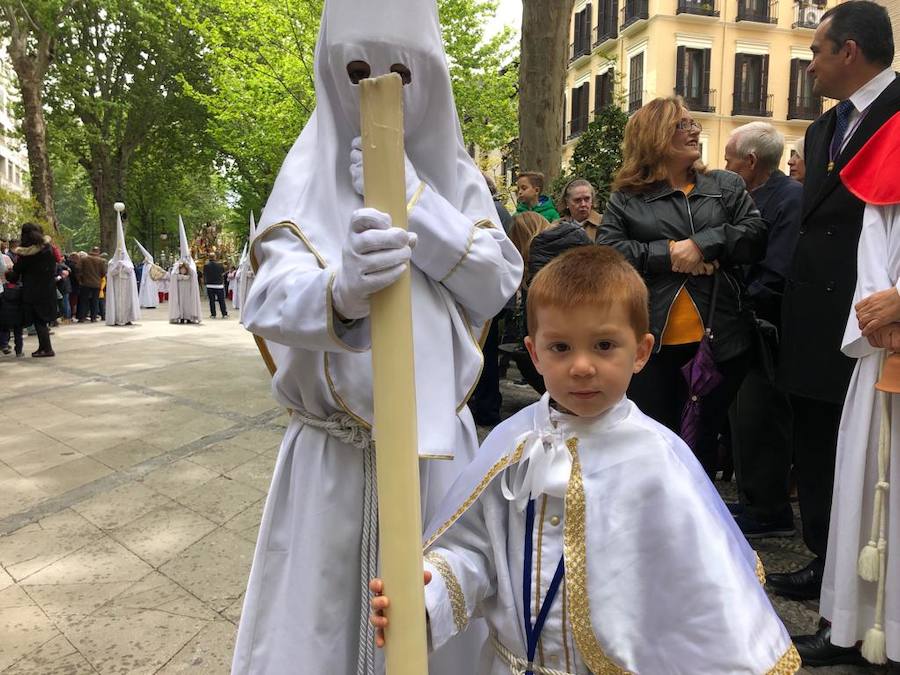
742,166
580,202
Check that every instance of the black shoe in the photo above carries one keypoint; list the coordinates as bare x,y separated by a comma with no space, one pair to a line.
735,508
759,529
5,350
817,650
40,353
804,584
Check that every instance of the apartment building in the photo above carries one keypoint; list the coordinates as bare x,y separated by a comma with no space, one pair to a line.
733,61
13,155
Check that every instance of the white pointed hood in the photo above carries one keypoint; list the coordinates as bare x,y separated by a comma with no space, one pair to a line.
313,189
184,250
144,252
252,226
121,252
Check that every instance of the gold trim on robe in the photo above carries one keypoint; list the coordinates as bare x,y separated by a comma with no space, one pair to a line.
454,590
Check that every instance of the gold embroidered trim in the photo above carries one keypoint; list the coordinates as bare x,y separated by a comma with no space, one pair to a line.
329,312
454,590
575,553
760,571
485,224
337,397
788,664
417,195
499,465
465,255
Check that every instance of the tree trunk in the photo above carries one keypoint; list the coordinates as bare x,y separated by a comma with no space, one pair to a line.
107,181
542,81
30,73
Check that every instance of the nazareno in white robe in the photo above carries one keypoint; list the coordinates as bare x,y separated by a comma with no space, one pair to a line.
148,293
184,289
658,578
464,268
847,600
122,304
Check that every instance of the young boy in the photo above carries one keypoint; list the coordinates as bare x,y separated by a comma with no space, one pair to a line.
529,186
585,533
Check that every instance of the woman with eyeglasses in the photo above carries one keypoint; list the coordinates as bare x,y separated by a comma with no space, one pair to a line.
686,230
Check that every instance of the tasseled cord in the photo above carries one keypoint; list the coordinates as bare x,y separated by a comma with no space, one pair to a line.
873,558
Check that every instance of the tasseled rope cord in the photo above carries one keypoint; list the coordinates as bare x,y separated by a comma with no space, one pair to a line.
872,564
344,428
518,665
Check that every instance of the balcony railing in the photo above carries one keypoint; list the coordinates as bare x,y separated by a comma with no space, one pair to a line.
634,10
705,102
804,108
756,107
758,10
807,15
698,7
605,30
579,49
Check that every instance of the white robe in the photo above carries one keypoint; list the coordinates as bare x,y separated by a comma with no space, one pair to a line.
846,600
184,295
234,281
658,579
149,291
122,304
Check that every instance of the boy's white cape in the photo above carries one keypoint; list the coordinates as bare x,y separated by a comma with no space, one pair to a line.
660,578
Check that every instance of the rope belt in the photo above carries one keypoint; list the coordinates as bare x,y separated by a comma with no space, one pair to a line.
344,428
518,665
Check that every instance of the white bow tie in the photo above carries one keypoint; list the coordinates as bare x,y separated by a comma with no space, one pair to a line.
545,465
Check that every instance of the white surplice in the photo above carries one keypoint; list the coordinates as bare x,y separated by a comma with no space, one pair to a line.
847,600
463,270
658,578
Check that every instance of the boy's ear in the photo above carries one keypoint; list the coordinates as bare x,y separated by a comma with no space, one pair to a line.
532,352
644,350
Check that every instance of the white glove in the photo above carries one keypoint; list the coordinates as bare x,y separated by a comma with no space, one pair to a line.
356,171
375,254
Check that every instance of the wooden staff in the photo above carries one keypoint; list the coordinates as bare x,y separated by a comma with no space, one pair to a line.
397,459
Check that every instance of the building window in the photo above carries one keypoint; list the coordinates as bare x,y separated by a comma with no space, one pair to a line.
607,21
761,11
634,10
636,82
802,103
604,90
692,78
580,110
751,85
807,14
699,7
582,34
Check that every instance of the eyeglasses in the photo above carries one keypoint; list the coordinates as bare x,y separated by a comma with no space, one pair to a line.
688,125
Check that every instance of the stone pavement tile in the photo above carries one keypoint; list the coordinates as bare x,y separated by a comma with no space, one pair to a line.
159,593
103,561
96,398
255,473
233,611
5,580
222,457
56,657
178,477
258,440
14,597
37,453
6,473
34,547
246,523
209,653
127,454
18,494
23,628
91,436
71,475
221,586
163,533
19,387
119,506
43,414
67,603
194,426
221,499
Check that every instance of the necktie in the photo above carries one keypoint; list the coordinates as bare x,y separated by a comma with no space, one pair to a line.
840,129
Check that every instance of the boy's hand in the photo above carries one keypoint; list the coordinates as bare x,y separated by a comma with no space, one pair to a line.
381,602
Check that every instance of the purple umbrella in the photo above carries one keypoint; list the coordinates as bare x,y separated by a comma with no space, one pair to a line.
702,377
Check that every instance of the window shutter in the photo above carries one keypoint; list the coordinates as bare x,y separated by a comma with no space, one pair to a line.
610,86
585,105
764,84
614,20
679,70
738,78
586,27
576,34
704,84
598,93
794,93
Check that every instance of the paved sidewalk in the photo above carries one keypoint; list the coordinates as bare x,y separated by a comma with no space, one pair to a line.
133,469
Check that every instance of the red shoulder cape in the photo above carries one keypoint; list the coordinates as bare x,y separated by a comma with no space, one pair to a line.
873,174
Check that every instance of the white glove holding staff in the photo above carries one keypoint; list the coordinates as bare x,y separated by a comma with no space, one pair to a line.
374,256
356,171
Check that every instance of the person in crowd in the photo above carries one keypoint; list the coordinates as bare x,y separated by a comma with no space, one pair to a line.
35,269
606,507
761,415
853,49
529,192
523,229
11,250
214,280
91,270
148,291
73,260
502,213
796,163
64,290
689,232
579,196
10,309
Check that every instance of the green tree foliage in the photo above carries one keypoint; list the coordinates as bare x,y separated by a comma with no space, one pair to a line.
15,210
597,155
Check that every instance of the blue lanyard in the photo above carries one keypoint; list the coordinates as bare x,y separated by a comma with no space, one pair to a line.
533,633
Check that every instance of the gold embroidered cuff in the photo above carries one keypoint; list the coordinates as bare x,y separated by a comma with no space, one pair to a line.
788,664
465,254
454,590
330,314
417,195
760,571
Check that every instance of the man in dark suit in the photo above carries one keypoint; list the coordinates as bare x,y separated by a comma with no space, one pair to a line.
853,50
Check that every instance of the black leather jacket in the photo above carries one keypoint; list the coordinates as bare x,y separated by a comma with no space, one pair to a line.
720,217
